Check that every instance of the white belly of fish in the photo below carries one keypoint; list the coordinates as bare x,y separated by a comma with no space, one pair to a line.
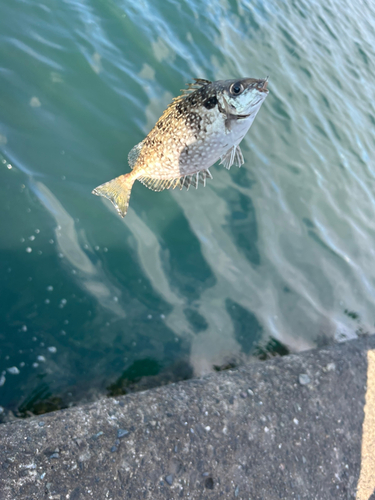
200,154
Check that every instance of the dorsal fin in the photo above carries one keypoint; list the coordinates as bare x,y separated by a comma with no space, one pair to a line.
134,153
191,87
197,84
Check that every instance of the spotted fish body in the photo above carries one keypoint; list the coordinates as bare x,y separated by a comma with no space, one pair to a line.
204,124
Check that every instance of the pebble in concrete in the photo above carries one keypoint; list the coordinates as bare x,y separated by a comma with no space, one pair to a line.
304,379
169,479
122,432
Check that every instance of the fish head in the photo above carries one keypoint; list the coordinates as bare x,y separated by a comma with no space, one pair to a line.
243,97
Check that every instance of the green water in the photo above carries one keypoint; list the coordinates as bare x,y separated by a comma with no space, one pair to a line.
281,249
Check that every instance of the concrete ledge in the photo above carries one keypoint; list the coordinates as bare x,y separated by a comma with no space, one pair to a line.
286,428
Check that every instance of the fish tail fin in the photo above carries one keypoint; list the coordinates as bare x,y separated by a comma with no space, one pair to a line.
118,191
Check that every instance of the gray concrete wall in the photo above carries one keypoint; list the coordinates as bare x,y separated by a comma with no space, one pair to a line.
289,428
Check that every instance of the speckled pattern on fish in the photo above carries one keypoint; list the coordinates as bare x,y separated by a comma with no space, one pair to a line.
204,124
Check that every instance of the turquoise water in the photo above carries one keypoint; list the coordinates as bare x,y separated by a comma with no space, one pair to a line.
282,249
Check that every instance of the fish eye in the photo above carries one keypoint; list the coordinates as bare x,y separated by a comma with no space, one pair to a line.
236,88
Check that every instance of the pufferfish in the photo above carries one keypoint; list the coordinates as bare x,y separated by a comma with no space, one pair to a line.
204,124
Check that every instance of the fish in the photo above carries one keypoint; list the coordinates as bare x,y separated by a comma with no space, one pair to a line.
204,124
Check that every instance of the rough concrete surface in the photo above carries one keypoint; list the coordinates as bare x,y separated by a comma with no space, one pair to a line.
289,428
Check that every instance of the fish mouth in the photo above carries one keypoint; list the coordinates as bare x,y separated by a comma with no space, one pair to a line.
263,88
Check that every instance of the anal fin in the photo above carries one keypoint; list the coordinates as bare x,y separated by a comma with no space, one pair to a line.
159,184
184,181
194,179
